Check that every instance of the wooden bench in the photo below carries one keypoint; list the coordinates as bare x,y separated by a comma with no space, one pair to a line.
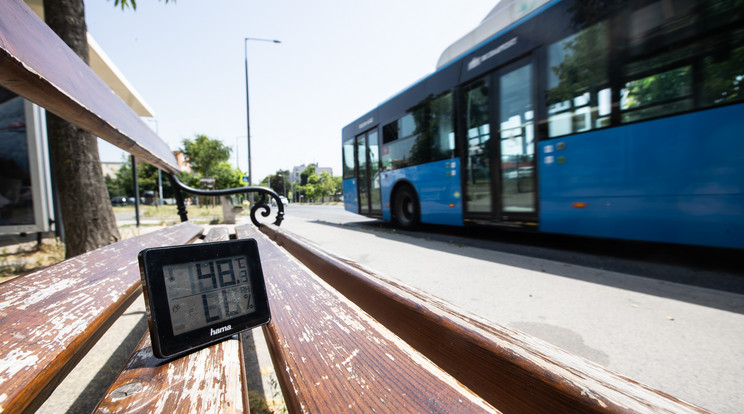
504,368
50,319
209,380
331,356
342,338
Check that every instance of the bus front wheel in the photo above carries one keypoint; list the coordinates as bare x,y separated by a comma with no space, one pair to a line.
406,211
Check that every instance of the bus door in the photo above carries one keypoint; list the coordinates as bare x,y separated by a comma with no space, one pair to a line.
368,173
499,118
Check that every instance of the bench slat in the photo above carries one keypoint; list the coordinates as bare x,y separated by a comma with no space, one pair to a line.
207,381
50,318
512,371
332,357
217,234
39,66
210,380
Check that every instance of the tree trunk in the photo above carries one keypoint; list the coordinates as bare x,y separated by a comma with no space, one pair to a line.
86,209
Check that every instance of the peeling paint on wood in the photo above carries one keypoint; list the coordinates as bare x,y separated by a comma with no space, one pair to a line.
50,318
207,381
211,380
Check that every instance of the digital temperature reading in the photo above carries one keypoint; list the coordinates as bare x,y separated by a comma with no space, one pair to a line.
207,292
199,294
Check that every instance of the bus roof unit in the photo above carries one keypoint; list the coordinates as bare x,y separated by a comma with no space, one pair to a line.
501,16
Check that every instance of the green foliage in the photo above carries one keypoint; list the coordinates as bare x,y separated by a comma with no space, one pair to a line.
318,188
338,185
114,186
226,176
278,182
133,3
189,178
326,186
122,184
660,87
310,170
724,78
205,154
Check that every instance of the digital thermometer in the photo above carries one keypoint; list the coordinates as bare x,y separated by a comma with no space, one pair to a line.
199,294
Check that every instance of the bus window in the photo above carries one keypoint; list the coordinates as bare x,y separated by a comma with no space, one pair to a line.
405,142
373,153
442,127
660,94
390,132
348,154
363,178
425,134
702,67
408,125
579,97
517,141
478,185
657,79
723,77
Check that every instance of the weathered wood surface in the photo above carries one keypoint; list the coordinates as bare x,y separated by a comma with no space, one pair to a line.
50,318
211,380
39,66
217,234
331,357
511,370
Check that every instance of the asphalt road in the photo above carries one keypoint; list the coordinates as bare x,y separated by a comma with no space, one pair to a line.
668,316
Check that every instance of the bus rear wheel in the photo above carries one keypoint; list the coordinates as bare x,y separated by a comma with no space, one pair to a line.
406,211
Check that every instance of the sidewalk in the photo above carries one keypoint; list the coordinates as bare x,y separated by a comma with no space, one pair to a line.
81,390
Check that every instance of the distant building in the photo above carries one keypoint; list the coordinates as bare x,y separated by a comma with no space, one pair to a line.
183,163
110,168
294,176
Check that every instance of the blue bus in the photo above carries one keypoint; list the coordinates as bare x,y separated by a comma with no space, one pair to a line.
604,118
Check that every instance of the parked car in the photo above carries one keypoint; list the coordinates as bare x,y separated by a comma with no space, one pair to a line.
284,200
118,201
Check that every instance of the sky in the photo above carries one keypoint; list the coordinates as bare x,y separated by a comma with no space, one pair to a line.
337,60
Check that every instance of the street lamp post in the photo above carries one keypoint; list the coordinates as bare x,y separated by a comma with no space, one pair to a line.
237,153
160,176
284,184
247,101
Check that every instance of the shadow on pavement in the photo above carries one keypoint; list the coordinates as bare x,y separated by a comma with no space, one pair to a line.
637,266
96,388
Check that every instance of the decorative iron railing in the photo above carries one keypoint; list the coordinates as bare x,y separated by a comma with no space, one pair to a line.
261,204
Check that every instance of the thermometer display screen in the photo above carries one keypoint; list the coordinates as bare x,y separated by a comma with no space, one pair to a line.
203,293
199,294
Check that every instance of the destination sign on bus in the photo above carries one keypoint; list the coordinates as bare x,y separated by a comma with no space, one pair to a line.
476,61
